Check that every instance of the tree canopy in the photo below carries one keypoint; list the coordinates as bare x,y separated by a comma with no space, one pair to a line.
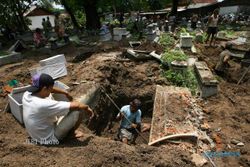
92,9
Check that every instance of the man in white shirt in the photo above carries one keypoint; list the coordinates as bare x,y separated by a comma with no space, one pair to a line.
212,26
40,112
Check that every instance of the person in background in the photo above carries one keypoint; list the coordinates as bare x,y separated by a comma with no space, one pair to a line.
40,112
38,38
212,26
194,20
130,116
45,27
48,24
222,64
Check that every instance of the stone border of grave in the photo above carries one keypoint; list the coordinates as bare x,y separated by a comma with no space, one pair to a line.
12,57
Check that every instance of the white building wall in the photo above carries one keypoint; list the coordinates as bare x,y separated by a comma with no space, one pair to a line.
36,21
229,9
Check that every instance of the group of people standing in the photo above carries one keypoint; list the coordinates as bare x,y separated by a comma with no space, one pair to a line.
41,36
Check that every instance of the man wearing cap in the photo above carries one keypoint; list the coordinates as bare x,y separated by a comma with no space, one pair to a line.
40,112
130,116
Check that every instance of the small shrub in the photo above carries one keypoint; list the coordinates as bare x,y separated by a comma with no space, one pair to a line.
166,40
170,56
182,78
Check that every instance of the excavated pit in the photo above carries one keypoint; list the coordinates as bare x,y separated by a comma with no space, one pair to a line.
106,125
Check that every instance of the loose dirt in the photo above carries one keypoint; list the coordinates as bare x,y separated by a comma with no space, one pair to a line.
227,113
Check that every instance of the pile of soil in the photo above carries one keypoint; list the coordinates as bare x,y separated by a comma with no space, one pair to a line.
227,114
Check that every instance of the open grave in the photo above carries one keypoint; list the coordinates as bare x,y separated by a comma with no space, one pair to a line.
105,124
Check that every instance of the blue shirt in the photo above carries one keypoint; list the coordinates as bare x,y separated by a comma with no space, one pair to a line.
133,117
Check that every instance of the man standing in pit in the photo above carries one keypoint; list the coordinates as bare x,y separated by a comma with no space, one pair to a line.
130,116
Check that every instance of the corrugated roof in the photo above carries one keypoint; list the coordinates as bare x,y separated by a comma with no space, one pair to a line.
36,11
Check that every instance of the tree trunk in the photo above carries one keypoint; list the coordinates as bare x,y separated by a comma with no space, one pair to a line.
174,7
73,18
20,14
92,18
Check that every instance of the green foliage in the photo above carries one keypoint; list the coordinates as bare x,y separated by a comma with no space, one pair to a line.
80,18
182,78
166,40
12,13
115,23
172,55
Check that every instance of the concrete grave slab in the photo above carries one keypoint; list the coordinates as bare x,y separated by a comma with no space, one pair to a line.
120,36
55,70
119,31
105,37
12,57
54,66
15,100
151,36
90,93
207,82
186,40
53,60
169,115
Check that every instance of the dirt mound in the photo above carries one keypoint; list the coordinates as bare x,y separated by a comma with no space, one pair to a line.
227,114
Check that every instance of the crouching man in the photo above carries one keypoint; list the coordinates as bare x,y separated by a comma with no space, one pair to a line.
40,112
130,116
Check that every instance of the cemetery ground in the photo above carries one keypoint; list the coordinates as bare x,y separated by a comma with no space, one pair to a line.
226,114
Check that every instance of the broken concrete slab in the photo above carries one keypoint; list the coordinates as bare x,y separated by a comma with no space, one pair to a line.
89,97
62,86
137,55
179,65
156,56
17,46
134,43
11,57
207,82
169,116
